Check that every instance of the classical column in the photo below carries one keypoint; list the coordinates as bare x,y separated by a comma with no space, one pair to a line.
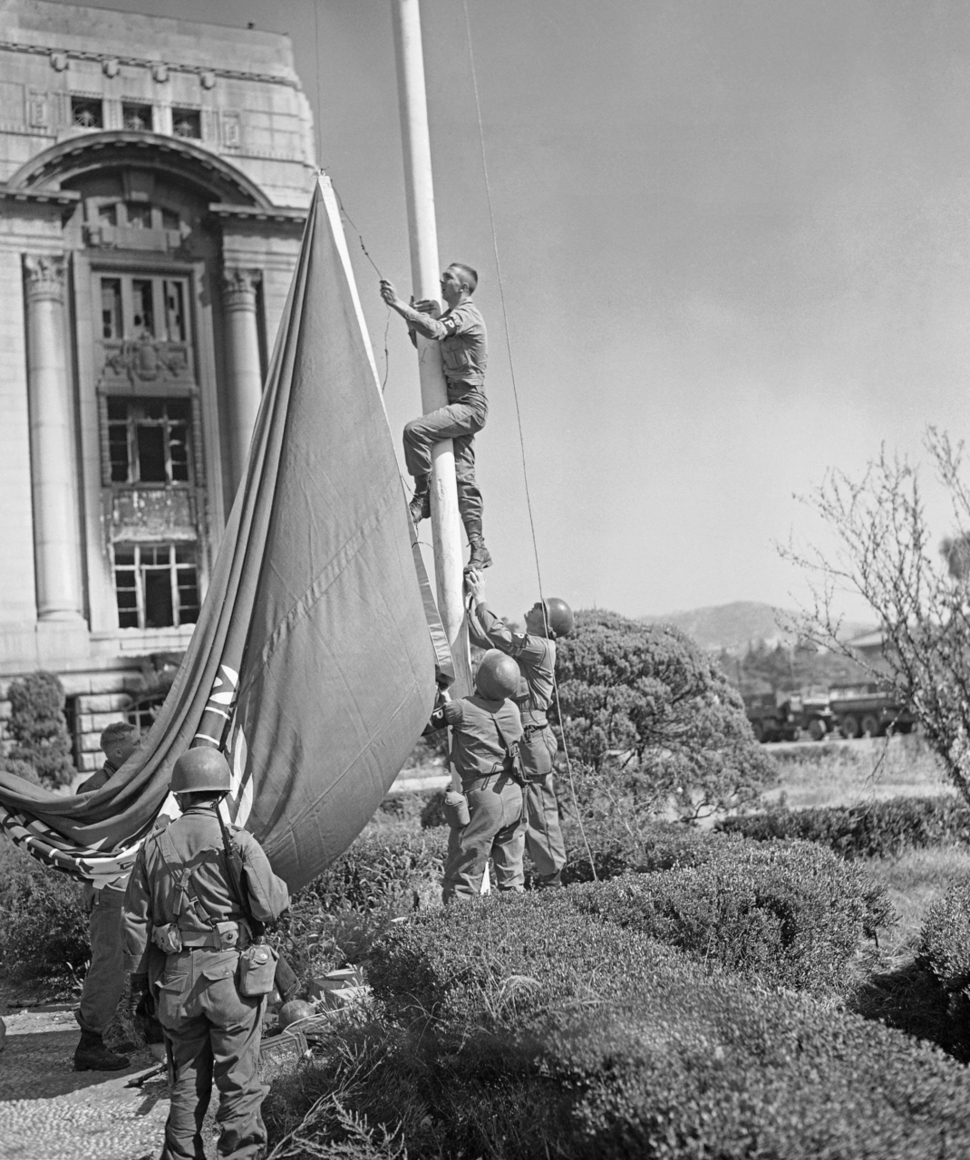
245,381
57,541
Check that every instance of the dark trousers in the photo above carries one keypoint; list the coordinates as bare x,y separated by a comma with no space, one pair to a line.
104,982
213,1036
458,422
497,830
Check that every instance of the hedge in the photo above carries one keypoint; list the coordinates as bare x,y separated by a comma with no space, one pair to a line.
871,830
525,1027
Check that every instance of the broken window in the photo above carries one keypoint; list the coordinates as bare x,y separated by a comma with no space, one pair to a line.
148,440
156,585
87,113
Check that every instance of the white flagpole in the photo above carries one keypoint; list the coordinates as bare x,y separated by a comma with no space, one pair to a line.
425,272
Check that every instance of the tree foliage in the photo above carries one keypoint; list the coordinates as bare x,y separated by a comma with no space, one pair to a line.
918,588
653,720
42,745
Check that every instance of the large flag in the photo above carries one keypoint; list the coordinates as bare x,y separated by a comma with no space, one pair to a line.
312,664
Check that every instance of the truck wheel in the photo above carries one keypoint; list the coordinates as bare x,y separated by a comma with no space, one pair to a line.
816,729
870,725
849,727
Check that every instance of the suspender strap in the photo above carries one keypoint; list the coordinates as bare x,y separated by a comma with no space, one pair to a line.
182,874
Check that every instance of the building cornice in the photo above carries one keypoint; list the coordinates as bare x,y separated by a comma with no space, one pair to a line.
282,213
203,72
54,197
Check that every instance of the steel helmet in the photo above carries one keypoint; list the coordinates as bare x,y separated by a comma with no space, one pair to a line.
201,769
559,616
497,676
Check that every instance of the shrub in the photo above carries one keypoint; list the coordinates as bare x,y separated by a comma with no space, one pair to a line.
944,946
525,1027
650,718
789,915
870,830
37,726
334,920
45,925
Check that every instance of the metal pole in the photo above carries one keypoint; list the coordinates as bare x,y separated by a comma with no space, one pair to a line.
425,270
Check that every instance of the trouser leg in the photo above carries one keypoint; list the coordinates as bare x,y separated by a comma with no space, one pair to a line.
191,1060
235,1037
104,981
470,846
469,497
508,845
544,840
421,434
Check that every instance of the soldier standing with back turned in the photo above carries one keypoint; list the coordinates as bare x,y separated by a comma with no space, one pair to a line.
187,918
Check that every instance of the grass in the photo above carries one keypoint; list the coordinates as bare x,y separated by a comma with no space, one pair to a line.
915,880
845,773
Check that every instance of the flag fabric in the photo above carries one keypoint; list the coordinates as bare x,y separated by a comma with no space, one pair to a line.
312,664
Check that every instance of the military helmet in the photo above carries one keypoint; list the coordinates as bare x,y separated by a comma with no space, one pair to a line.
201,769
559,616
497,676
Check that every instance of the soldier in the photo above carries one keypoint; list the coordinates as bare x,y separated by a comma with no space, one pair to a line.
461,333
485,731
535,652
104,981
187,917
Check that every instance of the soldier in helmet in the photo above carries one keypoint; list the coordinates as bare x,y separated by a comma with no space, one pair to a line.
535,651
104,980
185,925
485,732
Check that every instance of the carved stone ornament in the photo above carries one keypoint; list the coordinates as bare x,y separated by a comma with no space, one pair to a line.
45,276
208,79
59,61
239,288
147,360
111,67
160,73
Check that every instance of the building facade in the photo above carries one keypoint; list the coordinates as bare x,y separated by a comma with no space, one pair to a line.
154,178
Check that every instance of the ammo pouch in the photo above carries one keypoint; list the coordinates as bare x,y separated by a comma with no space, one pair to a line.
167,938
257,970
455,809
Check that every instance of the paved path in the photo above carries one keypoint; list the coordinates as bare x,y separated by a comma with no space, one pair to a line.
49,1111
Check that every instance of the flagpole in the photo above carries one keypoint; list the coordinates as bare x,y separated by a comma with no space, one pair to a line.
425,273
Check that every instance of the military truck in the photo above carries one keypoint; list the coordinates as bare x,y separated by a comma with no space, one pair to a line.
868,711
789,716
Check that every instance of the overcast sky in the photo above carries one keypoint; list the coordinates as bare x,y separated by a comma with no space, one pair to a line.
733,237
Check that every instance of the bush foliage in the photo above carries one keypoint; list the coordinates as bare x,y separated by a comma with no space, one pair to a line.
45,925
525,1027
42,746
870,830
650,719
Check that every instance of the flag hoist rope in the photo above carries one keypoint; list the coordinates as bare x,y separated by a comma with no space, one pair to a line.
518,409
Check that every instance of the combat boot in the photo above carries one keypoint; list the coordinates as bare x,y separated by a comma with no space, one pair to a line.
92,1055
480,557
420,505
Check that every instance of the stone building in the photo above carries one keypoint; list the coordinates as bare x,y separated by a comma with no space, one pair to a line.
154,178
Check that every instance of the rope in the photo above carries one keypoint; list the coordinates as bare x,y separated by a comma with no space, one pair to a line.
518,410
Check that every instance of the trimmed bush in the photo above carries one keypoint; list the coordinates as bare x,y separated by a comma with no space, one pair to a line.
45,925
944,946
526,1027
872,830
42,745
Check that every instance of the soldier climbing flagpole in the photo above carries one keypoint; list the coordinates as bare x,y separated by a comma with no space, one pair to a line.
425,272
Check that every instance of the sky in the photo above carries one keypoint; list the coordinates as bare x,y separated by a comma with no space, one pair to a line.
733,245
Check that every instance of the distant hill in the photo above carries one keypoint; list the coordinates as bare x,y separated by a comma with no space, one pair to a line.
736,626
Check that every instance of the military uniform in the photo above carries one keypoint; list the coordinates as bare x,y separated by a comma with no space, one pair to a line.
536,657
104,981
461,335
212,1031
496,828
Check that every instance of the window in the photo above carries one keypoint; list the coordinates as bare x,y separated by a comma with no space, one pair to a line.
111,308
187,123
87,113
137,117
108,214
148,440
170,220
139,214
156,585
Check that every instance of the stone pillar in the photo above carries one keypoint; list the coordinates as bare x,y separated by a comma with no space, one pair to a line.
57,541
245,380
